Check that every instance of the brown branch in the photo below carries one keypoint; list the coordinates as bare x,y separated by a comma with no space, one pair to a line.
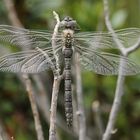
34,107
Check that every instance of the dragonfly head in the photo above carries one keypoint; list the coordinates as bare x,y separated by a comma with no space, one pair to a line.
69,23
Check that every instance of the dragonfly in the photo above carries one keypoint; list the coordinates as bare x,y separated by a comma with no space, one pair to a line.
38,54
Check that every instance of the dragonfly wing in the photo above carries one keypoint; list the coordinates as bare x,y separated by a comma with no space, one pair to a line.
26,62
107,63
19,37
98,40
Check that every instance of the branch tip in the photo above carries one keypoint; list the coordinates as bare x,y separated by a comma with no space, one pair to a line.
56,16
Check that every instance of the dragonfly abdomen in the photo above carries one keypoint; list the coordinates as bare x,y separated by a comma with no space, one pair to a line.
68,94
67,51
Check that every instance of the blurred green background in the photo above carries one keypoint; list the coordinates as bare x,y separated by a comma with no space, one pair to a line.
15,110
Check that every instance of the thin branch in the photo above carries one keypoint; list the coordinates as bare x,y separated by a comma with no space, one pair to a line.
34,108
133,48
109,26
54,38
120,81
122,48
56,85
52,130
81,112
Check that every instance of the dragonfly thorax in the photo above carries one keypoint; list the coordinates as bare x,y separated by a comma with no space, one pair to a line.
68,38
69,23
68,42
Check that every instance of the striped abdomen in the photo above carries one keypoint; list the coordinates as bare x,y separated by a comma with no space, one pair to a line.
67,51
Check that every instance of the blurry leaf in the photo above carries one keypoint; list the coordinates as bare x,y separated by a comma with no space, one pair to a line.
119,18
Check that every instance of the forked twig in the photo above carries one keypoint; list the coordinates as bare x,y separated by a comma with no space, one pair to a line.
120,81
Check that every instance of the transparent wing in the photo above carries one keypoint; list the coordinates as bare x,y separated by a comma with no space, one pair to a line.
106,63
25,38
32,61
97,40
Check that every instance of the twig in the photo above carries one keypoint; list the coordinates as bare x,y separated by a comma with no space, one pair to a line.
54,40
44,105
109,26
133,48
81,112
52,130
120,81
56,85
34,108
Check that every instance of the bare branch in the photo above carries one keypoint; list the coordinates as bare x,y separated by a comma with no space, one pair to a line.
133,48
56,16
34,108
49,61
54,36
120,82
56,85
52,131
109,26
122,48
81,112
